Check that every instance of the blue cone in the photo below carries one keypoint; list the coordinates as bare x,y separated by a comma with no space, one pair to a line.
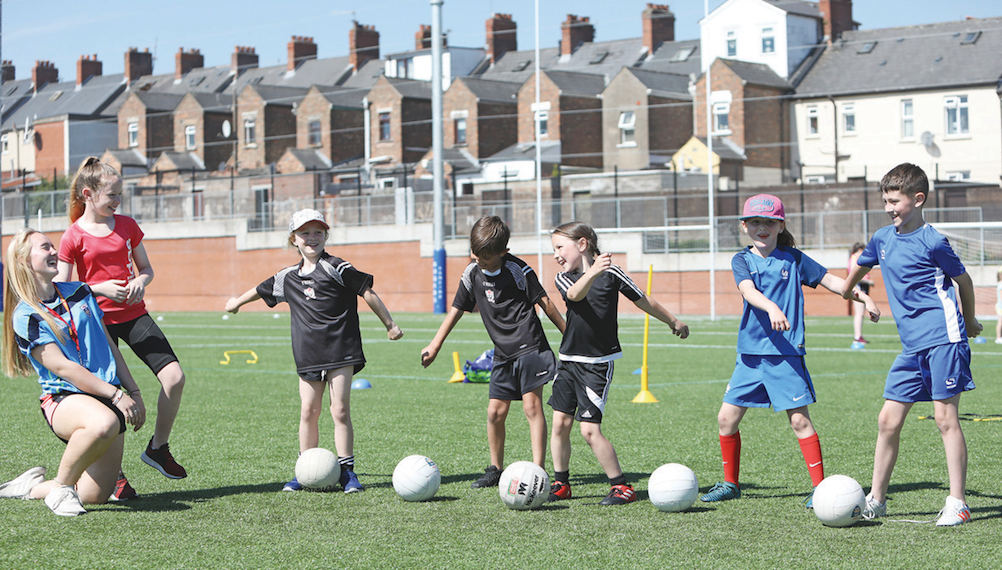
361,384
638,371
980,340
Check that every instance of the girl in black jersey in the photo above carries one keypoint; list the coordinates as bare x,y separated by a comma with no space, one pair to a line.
590,285
322,292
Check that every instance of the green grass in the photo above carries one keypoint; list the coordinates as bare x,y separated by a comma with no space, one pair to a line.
236,435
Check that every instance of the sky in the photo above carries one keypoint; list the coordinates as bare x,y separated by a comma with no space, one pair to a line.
61,31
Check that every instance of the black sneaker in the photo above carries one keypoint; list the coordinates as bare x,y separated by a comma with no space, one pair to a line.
490,478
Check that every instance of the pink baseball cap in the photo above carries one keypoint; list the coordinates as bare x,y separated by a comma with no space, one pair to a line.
764,206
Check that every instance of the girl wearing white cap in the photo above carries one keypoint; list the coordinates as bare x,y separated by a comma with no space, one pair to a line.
326,341
770,369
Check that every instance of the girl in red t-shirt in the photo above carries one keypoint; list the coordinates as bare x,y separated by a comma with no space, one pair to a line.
108,253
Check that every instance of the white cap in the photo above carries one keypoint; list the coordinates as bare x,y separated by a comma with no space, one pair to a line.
302,217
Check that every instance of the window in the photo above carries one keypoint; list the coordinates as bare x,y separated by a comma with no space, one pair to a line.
189,137
133,134
384,126
812,121
403,68
250,131
866,47
313,133
768,40
721,119
683,54
970,38
732,44
627,128
956,115
849,119
907,119
4,144
959,176
599,57
460,125
543,118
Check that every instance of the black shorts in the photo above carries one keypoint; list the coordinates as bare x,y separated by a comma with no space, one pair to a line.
321,375
49,402
582,389
145,339
510,380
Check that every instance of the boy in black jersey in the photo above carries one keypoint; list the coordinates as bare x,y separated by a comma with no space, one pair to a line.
505,290
326,342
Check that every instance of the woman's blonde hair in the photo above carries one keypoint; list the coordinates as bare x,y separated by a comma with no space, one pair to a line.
20,286
92,174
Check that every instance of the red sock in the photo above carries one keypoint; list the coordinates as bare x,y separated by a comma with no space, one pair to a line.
730,449
811,448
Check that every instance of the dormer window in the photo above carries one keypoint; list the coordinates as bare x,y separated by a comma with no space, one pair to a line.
683,54
970,38
599,57
867,47
521,65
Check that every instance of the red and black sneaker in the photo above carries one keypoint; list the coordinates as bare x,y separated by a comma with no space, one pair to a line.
123,491
619,495
559,491
161,460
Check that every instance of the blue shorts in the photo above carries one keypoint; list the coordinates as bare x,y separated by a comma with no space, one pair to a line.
937,373
762,381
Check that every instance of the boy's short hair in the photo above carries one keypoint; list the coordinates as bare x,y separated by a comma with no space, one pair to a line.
489,237
907,179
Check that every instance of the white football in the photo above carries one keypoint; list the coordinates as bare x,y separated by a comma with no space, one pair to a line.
416,478
839,501
673,488
523,486
317,469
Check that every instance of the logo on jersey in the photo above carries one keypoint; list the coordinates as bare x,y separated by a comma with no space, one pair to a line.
786,274
883,254
951,383
490,295
310,293
86,310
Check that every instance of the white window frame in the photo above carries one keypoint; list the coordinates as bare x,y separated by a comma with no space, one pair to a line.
543,118
385,134
732,44
849,119
189,137
908,119
250,131
956,114
314,136
133,130
959,176
627,128
812,129
459,126
768,40
5,144
721,110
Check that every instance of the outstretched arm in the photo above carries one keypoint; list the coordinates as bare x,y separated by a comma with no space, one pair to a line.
234,304
965,286
655,309
854,277
377,306
429,352
836,285
552,313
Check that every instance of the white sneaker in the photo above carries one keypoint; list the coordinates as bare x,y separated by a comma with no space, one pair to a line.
64,501
20,488
998,340
955,512
873,508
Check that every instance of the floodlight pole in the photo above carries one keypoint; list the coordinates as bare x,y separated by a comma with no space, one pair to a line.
709,183
539,160
438,255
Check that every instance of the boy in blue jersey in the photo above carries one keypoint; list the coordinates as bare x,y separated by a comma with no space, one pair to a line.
922,275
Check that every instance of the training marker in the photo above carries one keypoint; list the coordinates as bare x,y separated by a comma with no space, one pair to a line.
645,396
458,375
251,360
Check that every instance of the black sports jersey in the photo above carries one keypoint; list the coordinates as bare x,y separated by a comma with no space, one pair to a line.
507,305
592,333
324,307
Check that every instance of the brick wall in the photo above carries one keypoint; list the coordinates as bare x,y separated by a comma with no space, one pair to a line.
581,132
50,147
250,105
669,122
527,97
132,110
384,98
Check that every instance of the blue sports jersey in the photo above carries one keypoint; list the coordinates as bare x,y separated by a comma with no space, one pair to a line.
95,353
779,277
918,269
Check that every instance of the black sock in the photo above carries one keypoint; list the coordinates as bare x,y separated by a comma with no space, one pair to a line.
621,480
562,476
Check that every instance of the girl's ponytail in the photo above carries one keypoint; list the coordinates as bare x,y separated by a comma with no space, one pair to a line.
92,174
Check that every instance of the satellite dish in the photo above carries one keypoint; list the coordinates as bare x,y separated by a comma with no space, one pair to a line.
926,138
226,128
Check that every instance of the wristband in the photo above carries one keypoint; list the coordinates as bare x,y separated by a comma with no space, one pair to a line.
117,398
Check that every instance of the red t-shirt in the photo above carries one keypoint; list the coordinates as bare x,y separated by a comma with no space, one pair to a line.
99,259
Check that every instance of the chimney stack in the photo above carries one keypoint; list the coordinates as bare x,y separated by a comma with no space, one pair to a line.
500,36
422,38
243,58
301,48
363,45
137,64
185,61
574,33
659,26
8,70
87,66
837,16
43,72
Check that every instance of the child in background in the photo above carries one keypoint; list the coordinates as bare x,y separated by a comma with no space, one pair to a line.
107,250
923,276
858,342
505,290
326,341
770,368
590,285
88,395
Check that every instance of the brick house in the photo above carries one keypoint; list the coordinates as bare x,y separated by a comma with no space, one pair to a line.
203,125
266,124
570,113
145,123
332,122
480,115
399,115
646,118
750,109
